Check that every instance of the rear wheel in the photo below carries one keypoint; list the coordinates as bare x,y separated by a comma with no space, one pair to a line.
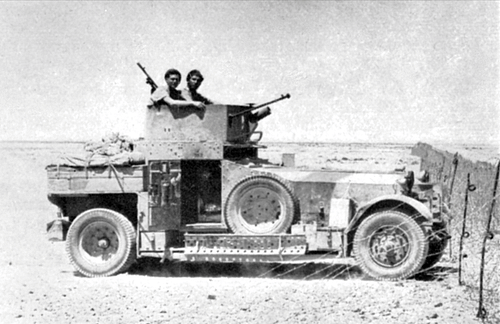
100,243
390,245
260,205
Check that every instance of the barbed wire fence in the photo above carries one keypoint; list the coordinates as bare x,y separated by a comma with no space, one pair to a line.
470,193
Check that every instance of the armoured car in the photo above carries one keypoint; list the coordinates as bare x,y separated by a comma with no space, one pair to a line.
201,193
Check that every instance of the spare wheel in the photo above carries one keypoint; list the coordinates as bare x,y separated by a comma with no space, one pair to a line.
260,205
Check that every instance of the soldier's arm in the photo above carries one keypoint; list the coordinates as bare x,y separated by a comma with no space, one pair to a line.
208,101
161,95
181,103
205,100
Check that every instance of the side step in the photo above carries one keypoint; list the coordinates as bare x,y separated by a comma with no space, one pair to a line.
242,248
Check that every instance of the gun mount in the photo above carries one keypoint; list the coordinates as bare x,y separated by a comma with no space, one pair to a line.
252,108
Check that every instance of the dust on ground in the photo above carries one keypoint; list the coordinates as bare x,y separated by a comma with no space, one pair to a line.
38,285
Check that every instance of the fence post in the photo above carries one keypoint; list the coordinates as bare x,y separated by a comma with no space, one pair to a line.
464,233
455,166
482,313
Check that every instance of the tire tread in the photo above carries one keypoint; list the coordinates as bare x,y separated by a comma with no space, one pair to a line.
422,248
121,221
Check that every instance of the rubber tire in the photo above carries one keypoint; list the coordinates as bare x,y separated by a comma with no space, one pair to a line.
436,247
118,262
232,211
417,253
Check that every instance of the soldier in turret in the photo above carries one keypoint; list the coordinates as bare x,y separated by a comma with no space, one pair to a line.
194,80
172,97
169,110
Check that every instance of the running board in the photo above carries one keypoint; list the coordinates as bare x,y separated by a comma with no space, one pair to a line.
243,248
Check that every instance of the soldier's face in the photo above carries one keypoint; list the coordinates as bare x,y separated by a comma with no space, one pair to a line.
194,82
173,80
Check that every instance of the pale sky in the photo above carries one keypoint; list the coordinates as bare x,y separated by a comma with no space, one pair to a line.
385,71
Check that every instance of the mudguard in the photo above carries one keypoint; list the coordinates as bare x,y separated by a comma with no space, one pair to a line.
392,200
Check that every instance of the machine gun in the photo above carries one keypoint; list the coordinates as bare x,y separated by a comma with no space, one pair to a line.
149,80
252,107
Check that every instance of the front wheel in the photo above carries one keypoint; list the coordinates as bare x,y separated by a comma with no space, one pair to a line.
100,243
390,245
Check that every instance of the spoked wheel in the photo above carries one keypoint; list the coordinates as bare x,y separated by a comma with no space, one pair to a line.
260,205
101,242
390,245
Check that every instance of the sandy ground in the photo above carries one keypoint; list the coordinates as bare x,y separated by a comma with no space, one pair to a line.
38,285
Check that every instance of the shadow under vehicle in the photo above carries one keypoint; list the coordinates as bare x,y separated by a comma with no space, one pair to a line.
203,194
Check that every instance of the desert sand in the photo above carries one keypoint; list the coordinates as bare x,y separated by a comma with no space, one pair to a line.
38,285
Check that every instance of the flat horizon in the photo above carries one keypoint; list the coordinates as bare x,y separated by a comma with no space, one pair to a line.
289,142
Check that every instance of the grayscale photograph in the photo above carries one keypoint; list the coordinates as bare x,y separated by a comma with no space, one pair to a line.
267,162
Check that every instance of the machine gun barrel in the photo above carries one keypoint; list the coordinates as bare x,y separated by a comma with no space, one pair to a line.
149,80
252,108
